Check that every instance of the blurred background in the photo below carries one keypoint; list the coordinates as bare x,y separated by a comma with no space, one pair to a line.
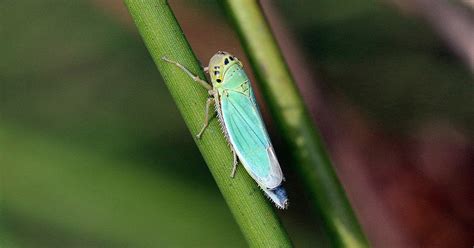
93,152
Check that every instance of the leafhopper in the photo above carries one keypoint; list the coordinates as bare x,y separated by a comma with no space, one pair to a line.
232,95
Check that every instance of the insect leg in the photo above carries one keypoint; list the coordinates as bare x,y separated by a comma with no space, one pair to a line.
234,167
194,77
206,118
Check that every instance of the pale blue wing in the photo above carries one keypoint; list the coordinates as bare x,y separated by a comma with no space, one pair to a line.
249,138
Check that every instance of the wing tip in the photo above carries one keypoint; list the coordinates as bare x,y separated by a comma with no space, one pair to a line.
276,174
278,196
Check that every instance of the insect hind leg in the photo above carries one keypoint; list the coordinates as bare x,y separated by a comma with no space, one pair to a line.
234,166
206,118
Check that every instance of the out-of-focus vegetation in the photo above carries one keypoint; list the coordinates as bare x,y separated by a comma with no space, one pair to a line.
303,139
392,66
93,152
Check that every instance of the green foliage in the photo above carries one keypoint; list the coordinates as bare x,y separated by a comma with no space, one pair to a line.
94,153
311,159
163,37
61,195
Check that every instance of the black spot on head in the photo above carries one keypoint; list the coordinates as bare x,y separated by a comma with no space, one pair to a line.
231,58
219,80
216,73
226,61
216,67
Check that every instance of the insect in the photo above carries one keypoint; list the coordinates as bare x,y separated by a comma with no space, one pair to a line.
241,122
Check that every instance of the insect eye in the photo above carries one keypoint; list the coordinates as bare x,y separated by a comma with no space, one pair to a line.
226,61
219,80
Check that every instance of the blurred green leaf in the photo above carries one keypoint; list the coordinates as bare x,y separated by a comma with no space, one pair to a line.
106,199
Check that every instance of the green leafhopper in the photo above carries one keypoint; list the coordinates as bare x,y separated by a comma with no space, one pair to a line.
241,122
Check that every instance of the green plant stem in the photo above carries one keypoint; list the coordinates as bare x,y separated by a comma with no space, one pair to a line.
296,127
163,37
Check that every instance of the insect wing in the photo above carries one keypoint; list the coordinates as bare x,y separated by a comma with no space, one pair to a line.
248,135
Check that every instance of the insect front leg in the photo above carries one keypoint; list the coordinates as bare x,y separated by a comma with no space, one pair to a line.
196,78
206,118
